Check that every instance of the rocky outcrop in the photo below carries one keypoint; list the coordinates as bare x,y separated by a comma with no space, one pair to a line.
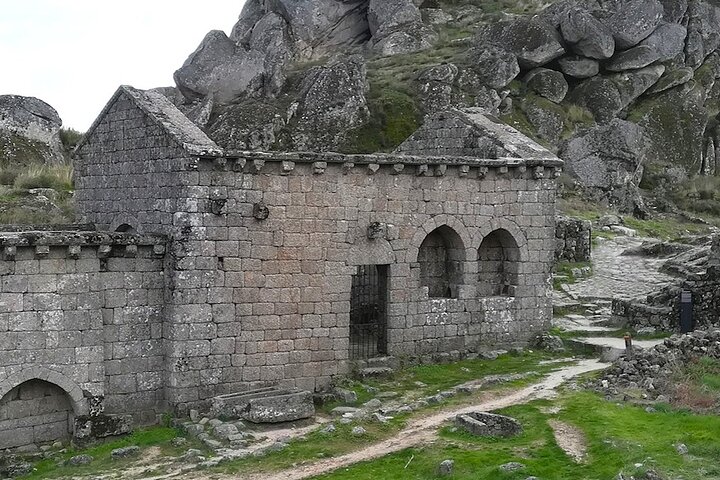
608,160
534,42
397,27
29,130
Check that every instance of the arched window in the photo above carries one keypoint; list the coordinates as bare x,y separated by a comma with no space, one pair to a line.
40,404
499,263
125,228
441,258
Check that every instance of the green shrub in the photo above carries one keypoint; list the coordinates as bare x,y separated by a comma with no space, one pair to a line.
70,138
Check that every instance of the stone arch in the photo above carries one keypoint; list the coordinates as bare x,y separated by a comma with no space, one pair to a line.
503,224
441,258
432,224
124,222
498,264
73,391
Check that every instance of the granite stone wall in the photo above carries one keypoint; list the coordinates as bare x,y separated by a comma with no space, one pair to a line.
262,290
82,312
573,239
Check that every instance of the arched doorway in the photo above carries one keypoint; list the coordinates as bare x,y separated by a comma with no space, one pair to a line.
441,256
498,264
35,412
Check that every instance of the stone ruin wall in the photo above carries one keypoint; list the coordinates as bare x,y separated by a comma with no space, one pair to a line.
267,301
573,240
81,324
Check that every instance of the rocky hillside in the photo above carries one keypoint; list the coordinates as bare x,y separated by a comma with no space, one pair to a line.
624,90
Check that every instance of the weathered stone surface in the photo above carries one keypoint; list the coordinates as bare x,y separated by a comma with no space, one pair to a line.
703,32
605,97
80,460
573,239
436,86
579,67
125,452
546,117
673,78
674,10
547,83
532,41
445,469
587,35
89,428
631,21
411,38
333,103
668,40
29,130
267,405
609,158
494,66
221,69
634,58
551,343
488,424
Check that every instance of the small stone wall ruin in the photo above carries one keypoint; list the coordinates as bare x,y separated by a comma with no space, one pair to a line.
573,240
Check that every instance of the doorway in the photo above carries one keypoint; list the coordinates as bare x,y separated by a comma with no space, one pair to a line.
368,312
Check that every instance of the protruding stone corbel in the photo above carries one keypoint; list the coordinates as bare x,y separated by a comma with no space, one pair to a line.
440,170
397,168
482,172
104,251
422,170
538,172
10,252
258,165
502,170
287,167
239,165
319,168
42,250
159,250
261,211
373,168
522,168
131,251
74,251
557,171
220,163
464,170
347,167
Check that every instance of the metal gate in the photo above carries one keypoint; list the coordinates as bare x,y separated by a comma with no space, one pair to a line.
368,312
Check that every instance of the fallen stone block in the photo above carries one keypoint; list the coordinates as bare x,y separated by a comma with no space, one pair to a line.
488,424
267,405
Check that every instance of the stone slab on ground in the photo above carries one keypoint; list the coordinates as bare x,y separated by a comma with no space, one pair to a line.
267,405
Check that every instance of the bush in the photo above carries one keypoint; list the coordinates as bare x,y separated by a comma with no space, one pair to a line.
70,138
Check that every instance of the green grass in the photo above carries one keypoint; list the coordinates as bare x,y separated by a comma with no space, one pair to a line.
618,437
103,462
666,228
565,269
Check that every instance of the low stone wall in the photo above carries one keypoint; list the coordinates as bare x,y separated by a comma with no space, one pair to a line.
82,314
573,240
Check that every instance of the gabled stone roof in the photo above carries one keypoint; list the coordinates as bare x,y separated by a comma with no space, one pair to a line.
167,116
471,133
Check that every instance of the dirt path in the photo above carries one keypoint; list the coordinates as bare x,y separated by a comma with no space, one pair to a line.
420,431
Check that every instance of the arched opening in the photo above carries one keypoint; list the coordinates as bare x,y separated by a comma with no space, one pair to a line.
441,256
125,228
498,264
35,412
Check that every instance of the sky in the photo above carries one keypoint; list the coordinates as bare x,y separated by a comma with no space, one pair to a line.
73,54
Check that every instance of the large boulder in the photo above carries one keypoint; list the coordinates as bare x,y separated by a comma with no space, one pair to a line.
333,103
606,96
547,83
579,67
703,31
321,27
668,40
630,21
634,58
675,123
494,66
397,27
587,35
221,69
608,161
534,42
674,10
546,118
29,130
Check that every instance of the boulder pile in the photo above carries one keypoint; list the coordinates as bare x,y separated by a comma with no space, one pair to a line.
652,370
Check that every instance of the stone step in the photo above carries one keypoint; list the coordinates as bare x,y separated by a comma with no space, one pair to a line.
376,372
383,362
